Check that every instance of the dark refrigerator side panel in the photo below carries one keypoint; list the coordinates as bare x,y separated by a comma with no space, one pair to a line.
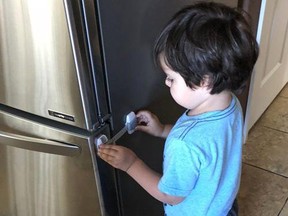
128,30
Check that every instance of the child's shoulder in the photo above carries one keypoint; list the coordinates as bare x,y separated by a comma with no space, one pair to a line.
210,124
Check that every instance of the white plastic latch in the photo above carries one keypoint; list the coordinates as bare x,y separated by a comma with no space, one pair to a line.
131,122
101,139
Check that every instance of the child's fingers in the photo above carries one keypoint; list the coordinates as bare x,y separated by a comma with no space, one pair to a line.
108,154
143,128
108,149
108,158
144,116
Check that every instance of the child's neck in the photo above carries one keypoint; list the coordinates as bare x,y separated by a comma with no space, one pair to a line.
214,102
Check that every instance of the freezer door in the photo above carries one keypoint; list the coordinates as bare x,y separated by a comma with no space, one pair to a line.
46,171
45,64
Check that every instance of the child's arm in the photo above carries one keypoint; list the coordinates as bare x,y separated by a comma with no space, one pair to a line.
149,179
126,160
149,123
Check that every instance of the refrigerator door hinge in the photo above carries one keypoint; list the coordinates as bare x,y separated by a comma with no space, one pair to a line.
104,119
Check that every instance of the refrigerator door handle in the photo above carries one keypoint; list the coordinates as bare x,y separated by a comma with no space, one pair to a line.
38,144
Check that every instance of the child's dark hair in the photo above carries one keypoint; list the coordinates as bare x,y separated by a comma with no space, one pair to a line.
209,40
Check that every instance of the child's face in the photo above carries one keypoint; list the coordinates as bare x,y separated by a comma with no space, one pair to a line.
193,99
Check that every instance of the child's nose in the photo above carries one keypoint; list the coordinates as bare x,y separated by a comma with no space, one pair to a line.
167,83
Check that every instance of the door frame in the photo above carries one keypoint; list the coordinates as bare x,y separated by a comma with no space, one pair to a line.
251,116
253,9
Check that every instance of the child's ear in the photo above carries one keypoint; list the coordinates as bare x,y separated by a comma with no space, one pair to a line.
205,81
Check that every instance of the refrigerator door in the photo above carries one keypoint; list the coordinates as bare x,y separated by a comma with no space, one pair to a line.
45,64
129,30
47,171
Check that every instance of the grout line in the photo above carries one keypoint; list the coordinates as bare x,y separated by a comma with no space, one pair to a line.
282,207
275,129
268,127
248,164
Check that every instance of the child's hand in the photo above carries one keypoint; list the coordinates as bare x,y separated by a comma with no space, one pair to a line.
117,156
149,123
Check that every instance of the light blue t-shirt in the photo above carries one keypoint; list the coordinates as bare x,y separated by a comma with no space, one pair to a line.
202,162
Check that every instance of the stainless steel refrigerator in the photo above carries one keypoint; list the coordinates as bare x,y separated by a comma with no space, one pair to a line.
70,71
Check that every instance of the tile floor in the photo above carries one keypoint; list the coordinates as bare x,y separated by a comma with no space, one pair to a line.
264,186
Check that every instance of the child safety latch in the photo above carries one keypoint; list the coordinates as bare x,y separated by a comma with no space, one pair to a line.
130,125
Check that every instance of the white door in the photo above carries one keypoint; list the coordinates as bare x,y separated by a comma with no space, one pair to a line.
271,71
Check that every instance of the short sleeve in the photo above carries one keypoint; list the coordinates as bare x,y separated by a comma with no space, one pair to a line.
181,168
